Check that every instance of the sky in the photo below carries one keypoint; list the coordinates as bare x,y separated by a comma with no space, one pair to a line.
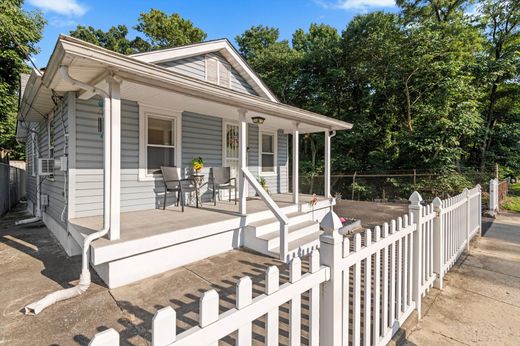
219,19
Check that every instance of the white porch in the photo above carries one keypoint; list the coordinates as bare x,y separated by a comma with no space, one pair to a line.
154,241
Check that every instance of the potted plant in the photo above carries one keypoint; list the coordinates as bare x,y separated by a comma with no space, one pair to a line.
198,164
263,183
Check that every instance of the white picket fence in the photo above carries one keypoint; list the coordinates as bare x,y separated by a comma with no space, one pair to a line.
358,291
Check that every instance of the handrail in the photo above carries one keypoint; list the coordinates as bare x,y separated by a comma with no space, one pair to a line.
265,197
284,220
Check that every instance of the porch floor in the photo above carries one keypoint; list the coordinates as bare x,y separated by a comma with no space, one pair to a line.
145,223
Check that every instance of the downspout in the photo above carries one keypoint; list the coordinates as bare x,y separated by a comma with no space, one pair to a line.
84,279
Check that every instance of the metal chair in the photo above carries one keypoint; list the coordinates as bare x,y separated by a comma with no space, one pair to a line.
220,179
174,183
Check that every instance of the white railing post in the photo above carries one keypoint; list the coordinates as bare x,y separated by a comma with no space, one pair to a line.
415,209
242,160
479,211
438,242
493,196
295,165
331,307
326,170
468,217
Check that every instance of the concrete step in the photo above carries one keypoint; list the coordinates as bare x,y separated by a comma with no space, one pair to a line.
268,225
300,247
296,231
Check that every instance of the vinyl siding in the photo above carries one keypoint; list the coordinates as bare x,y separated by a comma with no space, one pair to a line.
278,183
192,66
201,136
55,187
195,67
31,180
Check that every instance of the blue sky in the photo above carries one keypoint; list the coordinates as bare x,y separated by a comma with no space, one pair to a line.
224,18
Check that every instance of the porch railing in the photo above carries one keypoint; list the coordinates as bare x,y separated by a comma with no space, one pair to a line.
278,213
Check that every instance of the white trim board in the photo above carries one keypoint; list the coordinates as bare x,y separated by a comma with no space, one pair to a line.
144,111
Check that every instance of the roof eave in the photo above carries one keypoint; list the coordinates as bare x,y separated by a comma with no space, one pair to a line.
187,85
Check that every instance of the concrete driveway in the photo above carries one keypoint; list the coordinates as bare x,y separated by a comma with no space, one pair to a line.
480,304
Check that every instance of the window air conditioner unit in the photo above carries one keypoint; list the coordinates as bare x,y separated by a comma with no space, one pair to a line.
45,166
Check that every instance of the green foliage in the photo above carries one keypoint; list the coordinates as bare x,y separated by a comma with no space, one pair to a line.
449,184
417,85
19,33
166,31
160,30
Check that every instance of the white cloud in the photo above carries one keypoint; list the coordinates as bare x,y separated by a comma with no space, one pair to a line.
60,22
65,7
355,4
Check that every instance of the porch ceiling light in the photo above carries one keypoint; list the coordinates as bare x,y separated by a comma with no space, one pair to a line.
258,120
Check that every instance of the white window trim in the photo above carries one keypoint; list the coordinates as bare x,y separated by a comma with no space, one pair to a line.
273,133
159,112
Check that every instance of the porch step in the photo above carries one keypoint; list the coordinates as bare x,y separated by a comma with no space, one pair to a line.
300,247
296,231
266,226
264,236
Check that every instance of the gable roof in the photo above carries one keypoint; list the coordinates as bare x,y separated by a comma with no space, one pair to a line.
224,47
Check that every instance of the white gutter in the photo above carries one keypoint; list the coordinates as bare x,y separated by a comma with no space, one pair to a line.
84,279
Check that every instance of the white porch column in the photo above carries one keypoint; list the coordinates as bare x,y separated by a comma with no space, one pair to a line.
327,164
295,163
115,154
242,160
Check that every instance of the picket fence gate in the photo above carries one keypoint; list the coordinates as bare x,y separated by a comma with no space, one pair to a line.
359,289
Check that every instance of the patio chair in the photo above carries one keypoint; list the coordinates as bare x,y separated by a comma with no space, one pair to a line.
220,179
174,183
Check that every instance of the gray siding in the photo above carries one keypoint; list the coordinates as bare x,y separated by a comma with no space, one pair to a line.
201,136
31,180
135,194
54,187
278,183
192,66
195,67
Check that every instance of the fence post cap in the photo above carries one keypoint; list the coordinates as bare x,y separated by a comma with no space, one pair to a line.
437,202
331,223
415,198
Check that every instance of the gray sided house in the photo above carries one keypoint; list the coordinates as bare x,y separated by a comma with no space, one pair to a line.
99,125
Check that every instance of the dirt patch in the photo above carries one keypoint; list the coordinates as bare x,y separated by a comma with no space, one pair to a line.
371,214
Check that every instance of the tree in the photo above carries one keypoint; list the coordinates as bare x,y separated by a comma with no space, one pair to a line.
20,31
159,29
114,39
499,76
257,40
165,31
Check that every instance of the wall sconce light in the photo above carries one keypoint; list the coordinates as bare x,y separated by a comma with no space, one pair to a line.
258,120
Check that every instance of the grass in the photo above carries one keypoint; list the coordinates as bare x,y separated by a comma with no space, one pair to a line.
512,201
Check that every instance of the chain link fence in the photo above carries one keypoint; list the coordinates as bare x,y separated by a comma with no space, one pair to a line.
394,186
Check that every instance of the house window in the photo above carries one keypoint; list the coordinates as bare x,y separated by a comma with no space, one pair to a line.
267,153
160,143
231,148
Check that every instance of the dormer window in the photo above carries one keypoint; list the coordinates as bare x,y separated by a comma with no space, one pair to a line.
217,71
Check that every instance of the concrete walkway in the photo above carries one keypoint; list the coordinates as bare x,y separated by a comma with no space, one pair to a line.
480,304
